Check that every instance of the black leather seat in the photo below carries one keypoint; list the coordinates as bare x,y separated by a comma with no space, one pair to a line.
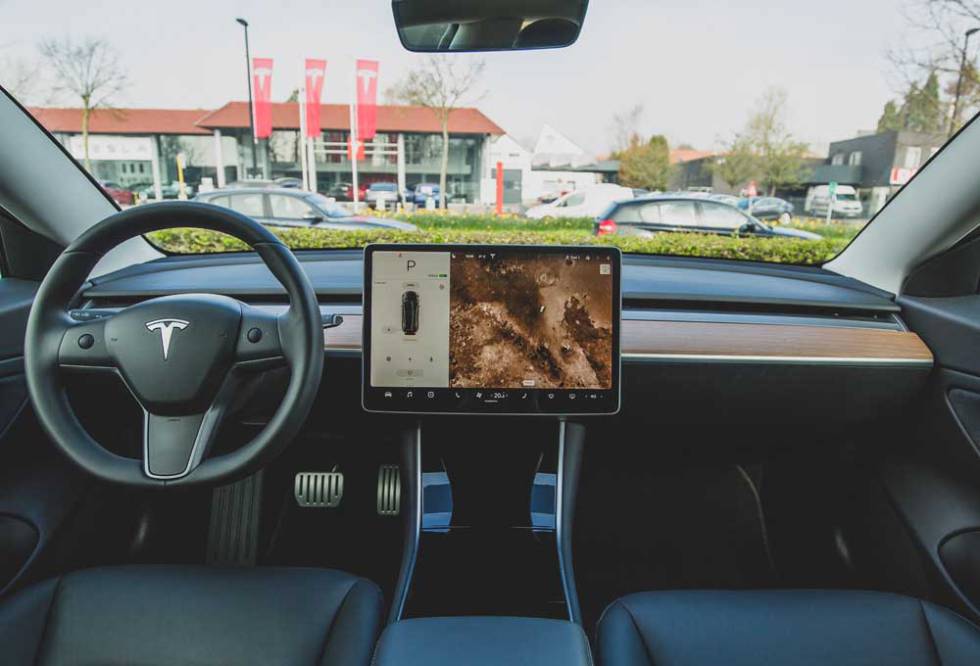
192,615
785,627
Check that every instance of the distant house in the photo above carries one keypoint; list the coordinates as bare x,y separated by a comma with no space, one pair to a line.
555,166
877,164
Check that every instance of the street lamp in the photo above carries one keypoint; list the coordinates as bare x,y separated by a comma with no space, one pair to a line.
248,74
959,81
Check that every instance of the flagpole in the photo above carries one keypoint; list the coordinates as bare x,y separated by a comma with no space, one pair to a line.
302,136
354,142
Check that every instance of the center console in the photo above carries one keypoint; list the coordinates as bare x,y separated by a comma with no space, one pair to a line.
485,641
454,337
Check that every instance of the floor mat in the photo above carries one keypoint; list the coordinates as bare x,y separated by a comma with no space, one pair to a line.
639,529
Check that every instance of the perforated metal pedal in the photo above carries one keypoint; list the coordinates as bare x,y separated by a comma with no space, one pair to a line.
319,490
389,490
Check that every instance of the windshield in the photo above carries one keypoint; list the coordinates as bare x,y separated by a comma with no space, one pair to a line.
697,101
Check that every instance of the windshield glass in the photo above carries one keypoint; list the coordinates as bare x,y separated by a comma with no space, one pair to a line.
521,147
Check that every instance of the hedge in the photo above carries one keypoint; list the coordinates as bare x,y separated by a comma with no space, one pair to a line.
780,250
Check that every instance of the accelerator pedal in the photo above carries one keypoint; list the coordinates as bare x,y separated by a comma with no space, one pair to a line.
319,490
389,490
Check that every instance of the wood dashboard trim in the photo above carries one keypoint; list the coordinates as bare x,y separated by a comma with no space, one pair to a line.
672,341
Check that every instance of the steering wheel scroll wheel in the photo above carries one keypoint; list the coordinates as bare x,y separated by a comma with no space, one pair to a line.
183,357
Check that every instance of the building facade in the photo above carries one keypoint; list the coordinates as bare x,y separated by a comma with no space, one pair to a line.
139,147
878,165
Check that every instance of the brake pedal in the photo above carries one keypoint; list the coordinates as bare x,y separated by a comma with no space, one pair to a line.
319,490
389,490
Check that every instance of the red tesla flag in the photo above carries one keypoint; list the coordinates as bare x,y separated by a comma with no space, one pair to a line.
367,99
262,85
315,71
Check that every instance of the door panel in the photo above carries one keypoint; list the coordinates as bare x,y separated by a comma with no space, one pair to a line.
933,478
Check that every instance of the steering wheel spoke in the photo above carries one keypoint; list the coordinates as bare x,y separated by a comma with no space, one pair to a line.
83,347
260,343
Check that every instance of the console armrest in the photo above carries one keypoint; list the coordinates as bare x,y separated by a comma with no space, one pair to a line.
483,641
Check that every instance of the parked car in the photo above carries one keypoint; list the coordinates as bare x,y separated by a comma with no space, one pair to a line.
676,213
768,208
345,191
846,202
425,191
585,203
289,207
171,191
386,193
729,199
120,195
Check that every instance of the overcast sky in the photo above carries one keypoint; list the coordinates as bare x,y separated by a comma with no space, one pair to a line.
696,65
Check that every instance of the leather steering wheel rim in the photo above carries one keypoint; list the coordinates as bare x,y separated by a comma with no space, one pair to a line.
298,332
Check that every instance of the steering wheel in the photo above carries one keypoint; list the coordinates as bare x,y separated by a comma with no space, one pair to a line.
183,357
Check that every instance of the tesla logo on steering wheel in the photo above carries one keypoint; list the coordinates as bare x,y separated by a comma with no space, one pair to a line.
166,328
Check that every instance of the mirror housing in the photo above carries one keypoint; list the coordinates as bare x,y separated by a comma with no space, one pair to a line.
428,26
313,218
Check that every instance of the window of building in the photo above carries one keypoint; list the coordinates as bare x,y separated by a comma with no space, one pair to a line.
288,207
837,159
854,159
913,156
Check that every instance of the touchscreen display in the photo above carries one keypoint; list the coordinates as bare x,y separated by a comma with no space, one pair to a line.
495,329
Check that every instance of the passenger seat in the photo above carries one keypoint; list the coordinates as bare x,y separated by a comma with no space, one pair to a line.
784,628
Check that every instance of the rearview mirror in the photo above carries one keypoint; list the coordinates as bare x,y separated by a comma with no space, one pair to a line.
488,25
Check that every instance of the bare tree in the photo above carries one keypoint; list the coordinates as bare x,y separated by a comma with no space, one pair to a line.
19,78
779,155
441,84
625,127
936,44
89,71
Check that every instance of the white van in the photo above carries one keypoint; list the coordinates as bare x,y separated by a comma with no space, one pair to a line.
847,203
584,203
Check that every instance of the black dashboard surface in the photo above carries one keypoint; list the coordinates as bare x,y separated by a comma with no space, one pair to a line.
337,276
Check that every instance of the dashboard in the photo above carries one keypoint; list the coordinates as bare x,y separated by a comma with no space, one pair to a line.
700,341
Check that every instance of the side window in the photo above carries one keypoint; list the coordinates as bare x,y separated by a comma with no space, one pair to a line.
650,213
678,214
248,204
220,201
721,217
288,207
628,214
574,200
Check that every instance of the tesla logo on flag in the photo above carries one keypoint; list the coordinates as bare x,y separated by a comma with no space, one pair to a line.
315,72
262,104
367,99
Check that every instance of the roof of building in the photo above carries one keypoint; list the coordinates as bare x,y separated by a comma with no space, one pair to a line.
602,166
681,155
123,121
285,115
235,115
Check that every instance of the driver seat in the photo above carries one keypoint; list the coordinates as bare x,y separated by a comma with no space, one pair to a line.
193,615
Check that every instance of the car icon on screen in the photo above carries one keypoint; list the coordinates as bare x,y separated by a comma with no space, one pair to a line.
410,313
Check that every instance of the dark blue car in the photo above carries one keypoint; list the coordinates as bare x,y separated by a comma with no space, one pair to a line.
767,208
